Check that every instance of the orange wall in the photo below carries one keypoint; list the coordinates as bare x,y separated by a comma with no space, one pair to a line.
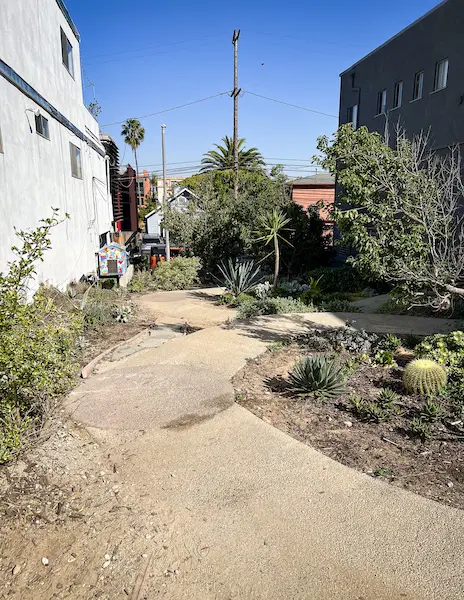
307,196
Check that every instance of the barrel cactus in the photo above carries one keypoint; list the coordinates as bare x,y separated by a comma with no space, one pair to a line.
424,377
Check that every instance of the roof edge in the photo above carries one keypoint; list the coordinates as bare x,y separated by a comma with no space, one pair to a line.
410,26
67,16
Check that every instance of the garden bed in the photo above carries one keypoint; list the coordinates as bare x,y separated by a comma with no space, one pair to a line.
388,450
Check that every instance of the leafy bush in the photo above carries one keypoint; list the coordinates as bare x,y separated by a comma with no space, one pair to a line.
141,281
424,377
385,358
271,306
351,340
445,349
338,306
317,376
177,274
342,279
390,342
37,345
239,277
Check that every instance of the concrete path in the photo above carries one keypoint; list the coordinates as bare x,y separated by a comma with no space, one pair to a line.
264,516
372,304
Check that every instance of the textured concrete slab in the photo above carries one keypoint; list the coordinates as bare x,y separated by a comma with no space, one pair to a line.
148,397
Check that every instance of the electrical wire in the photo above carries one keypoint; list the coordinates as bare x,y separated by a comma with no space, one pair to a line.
170,109
318,112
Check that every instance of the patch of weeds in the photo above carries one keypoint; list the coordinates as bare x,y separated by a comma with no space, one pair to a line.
382,472
275,346
369,411
390,342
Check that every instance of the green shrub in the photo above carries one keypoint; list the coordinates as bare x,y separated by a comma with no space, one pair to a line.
424,377
271,306
239,277
445,349
38,360
431,411
387,397
421,429
317,376
337,305
177,274
141,281
390,342
342,279
384,358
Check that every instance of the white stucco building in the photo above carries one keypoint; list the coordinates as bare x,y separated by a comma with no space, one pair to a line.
50,152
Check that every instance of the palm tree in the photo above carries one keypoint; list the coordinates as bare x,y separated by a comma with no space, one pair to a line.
272,226
223,157
134,134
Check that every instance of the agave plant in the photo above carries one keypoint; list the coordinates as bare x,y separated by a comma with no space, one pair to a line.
317,376
239,276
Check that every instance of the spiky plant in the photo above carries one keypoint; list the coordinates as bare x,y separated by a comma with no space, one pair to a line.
424,377
317,376
387,397
239,277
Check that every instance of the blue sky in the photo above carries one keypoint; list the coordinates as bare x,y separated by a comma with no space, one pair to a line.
145,56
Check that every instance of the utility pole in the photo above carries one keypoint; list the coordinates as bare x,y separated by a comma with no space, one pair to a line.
235,93
166,231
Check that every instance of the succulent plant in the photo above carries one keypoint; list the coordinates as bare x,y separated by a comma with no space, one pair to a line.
318,376
424,377
387,397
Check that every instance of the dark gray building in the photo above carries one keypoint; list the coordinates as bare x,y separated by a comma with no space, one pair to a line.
416,78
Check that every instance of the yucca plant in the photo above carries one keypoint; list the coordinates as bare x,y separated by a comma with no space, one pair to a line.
239,277
424,377
317,376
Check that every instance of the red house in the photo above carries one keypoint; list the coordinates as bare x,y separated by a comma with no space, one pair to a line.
308,191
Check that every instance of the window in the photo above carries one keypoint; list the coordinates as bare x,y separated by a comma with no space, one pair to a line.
102,239
76,161
418,85
66,53
382,102
353,116
398,95
441,75
41,126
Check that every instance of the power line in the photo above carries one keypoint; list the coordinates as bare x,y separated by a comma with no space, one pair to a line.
170,109
318,112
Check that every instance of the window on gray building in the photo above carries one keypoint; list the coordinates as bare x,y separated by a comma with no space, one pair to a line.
76,161
418,85
382,102
398,95
66,53
41,126
441,75
352,116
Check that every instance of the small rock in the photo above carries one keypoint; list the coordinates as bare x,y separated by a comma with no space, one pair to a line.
348,423
16,570
107,557
45,561
106,564
450,484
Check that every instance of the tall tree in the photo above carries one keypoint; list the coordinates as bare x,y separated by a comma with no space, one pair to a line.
134,134
223,157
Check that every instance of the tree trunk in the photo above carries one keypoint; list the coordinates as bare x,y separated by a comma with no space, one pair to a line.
277,261
136,177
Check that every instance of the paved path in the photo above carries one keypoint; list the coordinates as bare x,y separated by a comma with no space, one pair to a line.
264,516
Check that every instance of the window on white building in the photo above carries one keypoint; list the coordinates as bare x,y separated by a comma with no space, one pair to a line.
76,161
418,85
441,75
66,53
398,95
352,116
382,102
41,126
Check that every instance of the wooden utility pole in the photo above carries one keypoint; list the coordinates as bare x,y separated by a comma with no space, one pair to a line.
166,231
235,94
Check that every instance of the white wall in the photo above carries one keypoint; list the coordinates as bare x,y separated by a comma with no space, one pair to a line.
35,173
153,223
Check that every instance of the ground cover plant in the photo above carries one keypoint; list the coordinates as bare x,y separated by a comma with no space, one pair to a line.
390,406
